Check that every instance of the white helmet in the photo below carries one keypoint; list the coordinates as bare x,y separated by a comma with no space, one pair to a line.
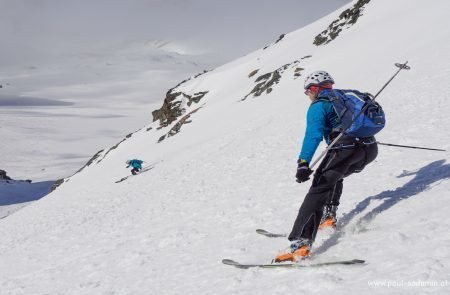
128,162
318,78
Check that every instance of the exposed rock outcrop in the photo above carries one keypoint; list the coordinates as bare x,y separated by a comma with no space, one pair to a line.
298,72
3,175
267,81
252,73
6,178
57,184
177,127
278,40
91,160
346,19
174,106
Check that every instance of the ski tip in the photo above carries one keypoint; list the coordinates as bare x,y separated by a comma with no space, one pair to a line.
358,261
236,264
229,262
269,234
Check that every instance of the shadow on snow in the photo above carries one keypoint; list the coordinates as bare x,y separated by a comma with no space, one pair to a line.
21,192
422,181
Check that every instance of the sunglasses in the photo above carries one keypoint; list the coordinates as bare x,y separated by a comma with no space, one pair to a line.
311,89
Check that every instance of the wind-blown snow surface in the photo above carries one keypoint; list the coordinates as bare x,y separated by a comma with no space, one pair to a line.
232,169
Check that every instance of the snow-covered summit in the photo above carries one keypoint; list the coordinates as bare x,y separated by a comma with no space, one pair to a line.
229,169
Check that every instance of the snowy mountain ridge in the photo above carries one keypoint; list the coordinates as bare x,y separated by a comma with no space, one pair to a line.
229,169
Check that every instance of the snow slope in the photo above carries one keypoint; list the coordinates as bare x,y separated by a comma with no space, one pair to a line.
231,170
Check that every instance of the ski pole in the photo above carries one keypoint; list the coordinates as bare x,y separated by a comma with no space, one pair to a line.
410,147
401,67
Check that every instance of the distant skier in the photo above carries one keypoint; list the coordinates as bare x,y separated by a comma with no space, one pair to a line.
350,155
136,164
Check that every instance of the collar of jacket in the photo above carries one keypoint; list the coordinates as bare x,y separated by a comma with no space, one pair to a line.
324,95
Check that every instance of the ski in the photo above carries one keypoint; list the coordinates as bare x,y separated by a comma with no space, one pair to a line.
269,234
277,235
291,265
122,179
142,171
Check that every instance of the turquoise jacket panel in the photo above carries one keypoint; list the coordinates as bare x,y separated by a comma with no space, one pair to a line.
136,164
321,119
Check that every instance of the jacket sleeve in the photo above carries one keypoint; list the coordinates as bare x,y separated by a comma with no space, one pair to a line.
315,125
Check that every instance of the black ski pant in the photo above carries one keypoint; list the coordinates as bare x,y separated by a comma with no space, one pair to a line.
327,185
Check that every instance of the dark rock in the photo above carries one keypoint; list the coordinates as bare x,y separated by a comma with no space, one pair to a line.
346,19
177,127
111,148
320,39
57,184
267,81
3,175
264,77
175,105
162,138
91,160
199,74
298,72
172,108
278,40
252,73
196,97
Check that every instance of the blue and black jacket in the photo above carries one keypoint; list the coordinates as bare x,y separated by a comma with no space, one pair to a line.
321,121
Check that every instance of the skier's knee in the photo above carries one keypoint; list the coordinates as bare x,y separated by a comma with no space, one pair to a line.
332,177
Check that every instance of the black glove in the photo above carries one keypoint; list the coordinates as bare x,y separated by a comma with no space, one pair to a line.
303,171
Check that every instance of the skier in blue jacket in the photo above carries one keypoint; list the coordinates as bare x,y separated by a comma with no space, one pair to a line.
320,204
136,164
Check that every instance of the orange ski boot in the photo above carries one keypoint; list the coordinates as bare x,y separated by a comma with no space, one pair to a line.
329,217
299,250
328,222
